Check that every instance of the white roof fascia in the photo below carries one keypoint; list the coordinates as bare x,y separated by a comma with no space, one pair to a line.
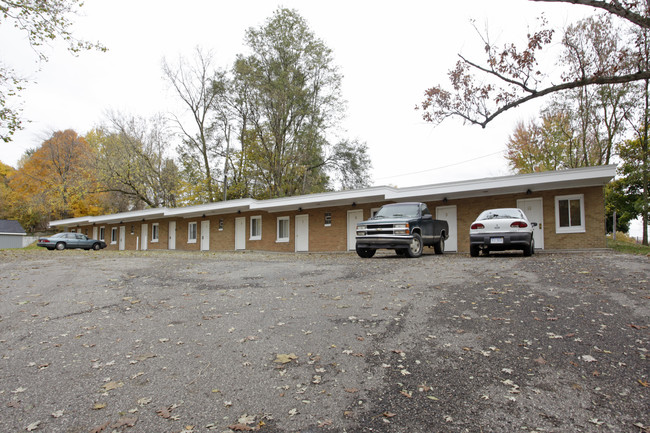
325,199
70,221
123,217
13,234
217,208
562,179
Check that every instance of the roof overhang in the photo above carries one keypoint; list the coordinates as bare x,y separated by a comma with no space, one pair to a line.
521,183
513,184
218,208
326,199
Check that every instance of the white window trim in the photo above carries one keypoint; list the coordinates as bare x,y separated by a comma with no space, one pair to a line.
571,229
157,226
288,220
102,230
190,240
114,230
258,237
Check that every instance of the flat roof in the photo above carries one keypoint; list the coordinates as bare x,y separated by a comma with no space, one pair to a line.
518,183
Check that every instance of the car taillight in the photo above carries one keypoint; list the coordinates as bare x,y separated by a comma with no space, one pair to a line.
43,240
477,226
519,224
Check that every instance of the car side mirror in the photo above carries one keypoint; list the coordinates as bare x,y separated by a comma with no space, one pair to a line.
427,217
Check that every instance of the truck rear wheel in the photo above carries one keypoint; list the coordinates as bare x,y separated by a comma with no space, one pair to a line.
366,253
415,247
439,247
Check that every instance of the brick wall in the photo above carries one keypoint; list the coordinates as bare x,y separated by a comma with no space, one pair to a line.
324,238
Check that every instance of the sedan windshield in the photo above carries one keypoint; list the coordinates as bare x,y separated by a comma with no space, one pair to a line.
493,214
398,210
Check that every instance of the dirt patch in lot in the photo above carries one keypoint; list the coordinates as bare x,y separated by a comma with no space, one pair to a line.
175,341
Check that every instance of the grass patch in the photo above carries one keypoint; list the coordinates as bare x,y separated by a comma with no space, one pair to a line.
624,244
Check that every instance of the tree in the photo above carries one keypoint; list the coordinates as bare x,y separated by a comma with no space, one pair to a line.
132,161
42,22
55,182
511,76
199,86
295,101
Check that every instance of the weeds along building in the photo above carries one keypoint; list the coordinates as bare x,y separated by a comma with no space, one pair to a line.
568,207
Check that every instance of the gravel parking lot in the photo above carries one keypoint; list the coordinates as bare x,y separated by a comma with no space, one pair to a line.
195,342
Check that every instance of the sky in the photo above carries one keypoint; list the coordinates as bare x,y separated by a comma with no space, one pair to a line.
388,54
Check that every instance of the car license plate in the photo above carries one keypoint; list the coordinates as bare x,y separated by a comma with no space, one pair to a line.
496,240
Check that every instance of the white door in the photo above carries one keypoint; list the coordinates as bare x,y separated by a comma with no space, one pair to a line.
354,217
205,235
302,232
171,244
122,238
145,236
95,233
240,233
449,214
534,210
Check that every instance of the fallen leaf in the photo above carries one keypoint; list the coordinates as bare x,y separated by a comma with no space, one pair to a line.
389,414
239,427
540,361
351,390
33,426
406,393
283,358
101,428
588,358
646,384
112,385
98,406
57,414
143,401
125,421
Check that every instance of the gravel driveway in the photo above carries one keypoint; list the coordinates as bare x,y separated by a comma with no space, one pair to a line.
196,342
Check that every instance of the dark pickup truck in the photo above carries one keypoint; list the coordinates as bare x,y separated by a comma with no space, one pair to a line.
403,227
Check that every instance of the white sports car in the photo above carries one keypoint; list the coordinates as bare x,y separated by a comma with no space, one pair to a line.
501,230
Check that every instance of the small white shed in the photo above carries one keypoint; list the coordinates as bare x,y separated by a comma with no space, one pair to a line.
11,234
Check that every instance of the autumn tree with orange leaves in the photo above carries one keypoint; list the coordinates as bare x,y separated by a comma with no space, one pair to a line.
55,182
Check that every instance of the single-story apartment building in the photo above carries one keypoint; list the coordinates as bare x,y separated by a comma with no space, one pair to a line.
11,234
567,205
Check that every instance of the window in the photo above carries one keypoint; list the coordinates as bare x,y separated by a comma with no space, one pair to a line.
373,212
221,225
283,229
328,219
570,214
256,228
102,233
154,232
114,235
191,233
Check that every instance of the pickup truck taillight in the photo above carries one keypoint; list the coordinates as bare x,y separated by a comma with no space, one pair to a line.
477,226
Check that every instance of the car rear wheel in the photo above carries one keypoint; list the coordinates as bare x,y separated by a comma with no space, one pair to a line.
366,253
415,247
474,250
60,246
96,246
529,249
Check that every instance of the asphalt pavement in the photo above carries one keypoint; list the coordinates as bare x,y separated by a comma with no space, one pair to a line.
102,341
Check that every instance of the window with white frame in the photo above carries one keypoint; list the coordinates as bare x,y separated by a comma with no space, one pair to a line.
102,233
283,229
154,232
191,233
570,213
114,235
256,228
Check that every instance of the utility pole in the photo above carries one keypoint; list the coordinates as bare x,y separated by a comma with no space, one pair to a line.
225,166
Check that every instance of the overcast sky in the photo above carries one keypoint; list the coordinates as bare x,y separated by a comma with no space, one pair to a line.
388,53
